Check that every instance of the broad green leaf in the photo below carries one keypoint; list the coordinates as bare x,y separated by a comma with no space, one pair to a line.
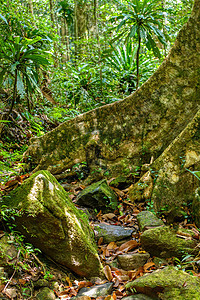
20,86
133,31
13,67
38,59
195,173
4,19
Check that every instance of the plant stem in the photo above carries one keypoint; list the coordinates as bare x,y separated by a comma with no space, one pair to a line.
137,59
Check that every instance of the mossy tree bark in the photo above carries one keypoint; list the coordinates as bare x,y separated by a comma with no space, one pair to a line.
122,135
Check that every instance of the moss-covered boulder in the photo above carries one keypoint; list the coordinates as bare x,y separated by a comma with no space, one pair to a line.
147,220
168,283
50,221
98,195
163,242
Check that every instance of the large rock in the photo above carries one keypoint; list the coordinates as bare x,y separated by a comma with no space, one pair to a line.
163,242
117,137
98,195
97,290
147,220
50,221
131,261
168,283
112,233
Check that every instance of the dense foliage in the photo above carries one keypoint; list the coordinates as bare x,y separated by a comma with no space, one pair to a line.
73,56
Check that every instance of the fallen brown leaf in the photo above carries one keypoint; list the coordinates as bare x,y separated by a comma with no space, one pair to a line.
100,241
148,266
82,284
112,246
109,216
108,273
128,246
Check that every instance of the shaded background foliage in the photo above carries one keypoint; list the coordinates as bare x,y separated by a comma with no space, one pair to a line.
84,53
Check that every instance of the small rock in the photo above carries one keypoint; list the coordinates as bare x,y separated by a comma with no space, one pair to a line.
41,283
169,283
81,298
121,182
138,297
112,233
97,290
147,219
114,263
163,242
45,294
98,195
11,293
132,261
159,262
8,251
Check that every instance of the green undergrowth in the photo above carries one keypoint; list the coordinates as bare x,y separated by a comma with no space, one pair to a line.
10,160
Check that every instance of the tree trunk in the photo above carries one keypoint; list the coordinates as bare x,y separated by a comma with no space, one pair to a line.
30,2
111,137
54,26
80,25
98,43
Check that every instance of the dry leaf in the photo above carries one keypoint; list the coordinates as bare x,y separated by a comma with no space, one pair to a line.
109,298
68,281
116,282
112,246
119,293
128,246
148,265
109,216
82,284
22,281
131,275
108,273
114,296
100,241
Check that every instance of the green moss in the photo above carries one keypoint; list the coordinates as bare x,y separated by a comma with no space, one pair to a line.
169,283
163,242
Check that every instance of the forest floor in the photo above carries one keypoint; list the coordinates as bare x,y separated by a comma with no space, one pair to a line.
30,265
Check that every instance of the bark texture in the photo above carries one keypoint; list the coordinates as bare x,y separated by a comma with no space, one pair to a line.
120,136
